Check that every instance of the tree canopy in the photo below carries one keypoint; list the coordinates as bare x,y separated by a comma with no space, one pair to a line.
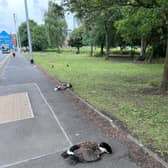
38,33
56,25
130,21
76,38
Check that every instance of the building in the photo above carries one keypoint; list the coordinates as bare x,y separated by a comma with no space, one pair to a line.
6,40
14,40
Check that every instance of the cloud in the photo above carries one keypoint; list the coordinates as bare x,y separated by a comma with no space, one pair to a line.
36,9
36,2
3,3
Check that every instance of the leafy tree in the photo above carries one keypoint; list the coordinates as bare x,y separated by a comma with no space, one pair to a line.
139,24
39,38
95,16
76,39
38,34
99,38
23,31
56,25
161,8
107,11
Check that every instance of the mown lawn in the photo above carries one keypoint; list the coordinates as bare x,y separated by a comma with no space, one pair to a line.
116,88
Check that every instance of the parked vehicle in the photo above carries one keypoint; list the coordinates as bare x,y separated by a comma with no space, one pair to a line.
5,50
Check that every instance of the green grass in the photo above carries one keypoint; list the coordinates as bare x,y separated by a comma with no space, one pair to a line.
116,88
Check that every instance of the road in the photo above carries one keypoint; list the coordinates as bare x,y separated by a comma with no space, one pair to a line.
57,124
2,56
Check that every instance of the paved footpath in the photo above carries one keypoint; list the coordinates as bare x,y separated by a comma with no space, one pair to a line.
56,124
3,59
2,56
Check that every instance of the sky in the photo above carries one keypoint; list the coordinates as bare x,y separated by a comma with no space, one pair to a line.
36,9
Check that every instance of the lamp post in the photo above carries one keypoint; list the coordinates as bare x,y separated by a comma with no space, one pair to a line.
28,32
20,46
14,18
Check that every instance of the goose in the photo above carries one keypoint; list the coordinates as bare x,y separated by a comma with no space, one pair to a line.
63,86
86,152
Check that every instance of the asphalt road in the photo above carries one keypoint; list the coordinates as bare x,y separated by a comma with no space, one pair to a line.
57,124
2,56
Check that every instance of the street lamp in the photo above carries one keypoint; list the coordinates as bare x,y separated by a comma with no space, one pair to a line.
29,35
14,18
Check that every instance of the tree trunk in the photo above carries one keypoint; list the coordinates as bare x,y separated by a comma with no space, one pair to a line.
164,83
102,49
78,50
107,42
143,47
58,50
149,60
107,45
91,50
132,52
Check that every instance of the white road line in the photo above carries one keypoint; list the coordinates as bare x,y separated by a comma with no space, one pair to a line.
28,160
29,104
16,85
58,122
94,109
54,115
15,121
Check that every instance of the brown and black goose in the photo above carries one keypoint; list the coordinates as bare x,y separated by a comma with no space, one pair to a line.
63,86
86,152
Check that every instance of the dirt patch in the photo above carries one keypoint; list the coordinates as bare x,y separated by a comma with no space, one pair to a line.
142,158
153,91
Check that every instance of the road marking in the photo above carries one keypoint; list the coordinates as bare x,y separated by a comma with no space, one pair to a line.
28,160
50,108
54,115
4,60
29,104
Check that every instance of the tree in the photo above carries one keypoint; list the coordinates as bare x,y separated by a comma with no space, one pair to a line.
38,34
105,9
23,32
161,7
56,25
76,39
94,15
39,38
139,24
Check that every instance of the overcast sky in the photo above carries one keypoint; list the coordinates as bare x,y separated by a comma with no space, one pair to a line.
36,9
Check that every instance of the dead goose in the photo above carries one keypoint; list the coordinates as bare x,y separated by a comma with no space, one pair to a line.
63,86
86,152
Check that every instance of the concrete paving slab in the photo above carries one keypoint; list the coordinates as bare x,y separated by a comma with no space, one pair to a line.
30,138
3,59
15,107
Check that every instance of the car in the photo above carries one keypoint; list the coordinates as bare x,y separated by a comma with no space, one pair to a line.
5,50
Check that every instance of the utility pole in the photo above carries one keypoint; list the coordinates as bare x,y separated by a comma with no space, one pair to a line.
20,46
14,18
17,29
29,35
